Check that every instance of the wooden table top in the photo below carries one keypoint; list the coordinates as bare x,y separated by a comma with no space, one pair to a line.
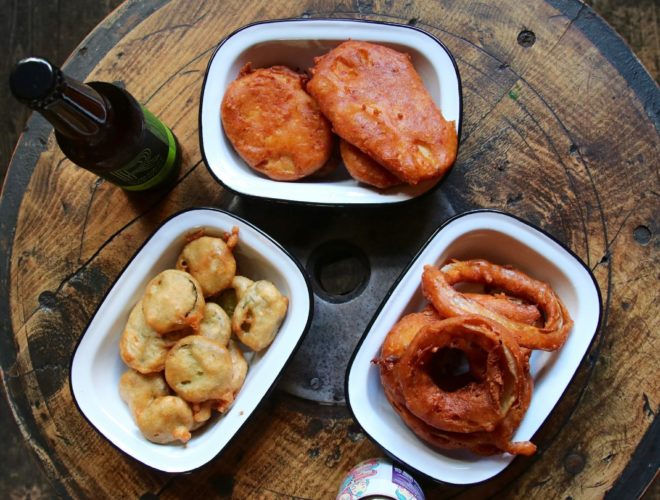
560,128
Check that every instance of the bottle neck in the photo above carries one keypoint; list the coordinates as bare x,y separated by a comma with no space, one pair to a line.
79,112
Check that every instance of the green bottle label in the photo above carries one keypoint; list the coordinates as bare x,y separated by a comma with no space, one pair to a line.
155,162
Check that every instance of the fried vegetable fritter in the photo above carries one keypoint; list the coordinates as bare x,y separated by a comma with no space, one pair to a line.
365,169
376,101
274,124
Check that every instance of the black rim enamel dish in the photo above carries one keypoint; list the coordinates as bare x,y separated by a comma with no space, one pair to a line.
354,375
225,165
303,318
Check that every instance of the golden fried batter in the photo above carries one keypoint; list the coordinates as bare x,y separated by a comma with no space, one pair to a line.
375,100
437,286
173,300
274,125
239,367
137,390
365,169
201,413
230,297
210,261
239,371
258,315
166,419
199,369
216,324
143,348
240,284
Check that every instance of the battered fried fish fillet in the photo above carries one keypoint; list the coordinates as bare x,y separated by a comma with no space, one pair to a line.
365,169
376,101
274,124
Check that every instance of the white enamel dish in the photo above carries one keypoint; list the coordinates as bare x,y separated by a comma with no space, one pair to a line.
295,43
96,366
501,239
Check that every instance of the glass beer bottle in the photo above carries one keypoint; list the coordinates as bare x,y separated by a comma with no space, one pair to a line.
99,126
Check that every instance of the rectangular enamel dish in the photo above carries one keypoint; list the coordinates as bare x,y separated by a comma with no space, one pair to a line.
96,365
501,239
295,43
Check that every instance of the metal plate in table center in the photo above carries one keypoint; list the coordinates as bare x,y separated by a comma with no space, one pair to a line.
352,255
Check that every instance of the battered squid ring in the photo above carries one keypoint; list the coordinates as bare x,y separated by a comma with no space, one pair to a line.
437,286
496,375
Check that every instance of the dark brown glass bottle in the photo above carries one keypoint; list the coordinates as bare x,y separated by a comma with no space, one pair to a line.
99,126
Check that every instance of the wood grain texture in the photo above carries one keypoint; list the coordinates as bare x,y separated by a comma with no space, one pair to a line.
552,132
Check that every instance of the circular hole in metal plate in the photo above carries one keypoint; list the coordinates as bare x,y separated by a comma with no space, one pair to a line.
339,271
389,235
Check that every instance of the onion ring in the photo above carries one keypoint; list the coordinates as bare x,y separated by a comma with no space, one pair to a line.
394,346
402,333
493,383
508,306
437,288
497,440
481,443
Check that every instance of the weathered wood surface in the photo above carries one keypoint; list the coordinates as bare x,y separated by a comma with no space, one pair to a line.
562,132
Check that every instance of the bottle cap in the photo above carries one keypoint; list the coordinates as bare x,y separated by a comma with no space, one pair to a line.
35,81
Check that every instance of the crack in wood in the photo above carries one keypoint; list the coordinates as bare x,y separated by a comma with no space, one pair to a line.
178,72
35,370
173,27
647,406
568,27
97,183
569,177
538,484
618,231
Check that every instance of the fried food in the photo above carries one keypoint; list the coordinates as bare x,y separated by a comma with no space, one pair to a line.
210,261
437,286
173,300
165,420
395,345
199,369
240,284
173,329
137,390
455,398
365,169
258,315
457,373
216,324
510,307
143,348
376,101
274,125
239,371
229,298
420,371
201,413
239,367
